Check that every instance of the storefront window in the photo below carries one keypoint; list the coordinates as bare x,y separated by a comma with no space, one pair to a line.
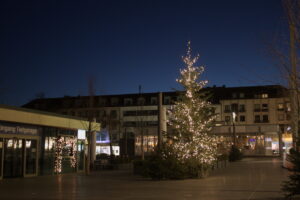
31,152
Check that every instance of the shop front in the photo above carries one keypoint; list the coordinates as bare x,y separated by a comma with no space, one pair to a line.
33,143
19,150
261,140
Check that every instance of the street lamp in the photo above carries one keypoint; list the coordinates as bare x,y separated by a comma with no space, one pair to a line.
233,128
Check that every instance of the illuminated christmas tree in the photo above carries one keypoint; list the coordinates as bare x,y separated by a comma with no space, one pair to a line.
192,118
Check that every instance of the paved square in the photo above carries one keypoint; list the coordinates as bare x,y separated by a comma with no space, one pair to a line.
251,178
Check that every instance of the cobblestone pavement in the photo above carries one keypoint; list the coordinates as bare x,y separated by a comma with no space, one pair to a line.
251,178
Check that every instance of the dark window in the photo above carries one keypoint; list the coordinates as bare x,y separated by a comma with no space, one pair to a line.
280,117
113,114
114,101
227,108
227,118
152,112
153,101
167,100
128,102
265,118
256,107
257,118
242,118
102,102
234,95
234,107
242,95
129,124
265,107
242,108
129,113
141,101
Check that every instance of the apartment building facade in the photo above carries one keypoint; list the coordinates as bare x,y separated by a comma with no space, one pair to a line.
256,118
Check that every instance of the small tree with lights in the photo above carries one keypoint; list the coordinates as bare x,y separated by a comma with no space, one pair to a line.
192,120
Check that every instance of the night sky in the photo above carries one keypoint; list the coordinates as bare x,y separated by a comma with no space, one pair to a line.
55,47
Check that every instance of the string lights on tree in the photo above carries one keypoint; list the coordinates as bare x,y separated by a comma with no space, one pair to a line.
73,152
70,144
192,117
58,154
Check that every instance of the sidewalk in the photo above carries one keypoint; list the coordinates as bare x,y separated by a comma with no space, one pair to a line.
252,178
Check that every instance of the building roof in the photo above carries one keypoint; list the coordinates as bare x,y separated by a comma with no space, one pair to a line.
215,95
41,118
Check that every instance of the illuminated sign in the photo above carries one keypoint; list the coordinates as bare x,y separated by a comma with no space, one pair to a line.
81,134
106,150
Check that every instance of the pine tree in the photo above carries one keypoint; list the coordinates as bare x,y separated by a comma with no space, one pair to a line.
292,186
192,117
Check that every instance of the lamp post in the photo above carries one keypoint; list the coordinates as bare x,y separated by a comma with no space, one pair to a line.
233,128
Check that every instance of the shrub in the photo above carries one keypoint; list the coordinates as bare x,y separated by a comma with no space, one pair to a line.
158,167
235,154
292,186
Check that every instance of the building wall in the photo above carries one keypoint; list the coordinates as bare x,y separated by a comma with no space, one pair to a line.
268,96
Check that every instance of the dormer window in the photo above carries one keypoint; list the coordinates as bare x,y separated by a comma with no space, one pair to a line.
167,100
128,101
114,101
141,101
153,100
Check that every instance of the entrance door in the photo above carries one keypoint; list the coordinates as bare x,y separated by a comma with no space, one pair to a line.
31,156
13,157
80,154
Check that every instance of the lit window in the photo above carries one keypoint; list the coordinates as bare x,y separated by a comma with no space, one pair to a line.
288,107
280,106
264,96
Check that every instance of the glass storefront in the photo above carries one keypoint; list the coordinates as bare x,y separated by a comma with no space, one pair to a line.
252,144
13,157
149,143
31,150
31,156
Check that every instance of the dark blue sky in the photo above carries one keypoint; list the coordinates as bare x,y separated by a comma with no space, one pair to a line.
56,46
